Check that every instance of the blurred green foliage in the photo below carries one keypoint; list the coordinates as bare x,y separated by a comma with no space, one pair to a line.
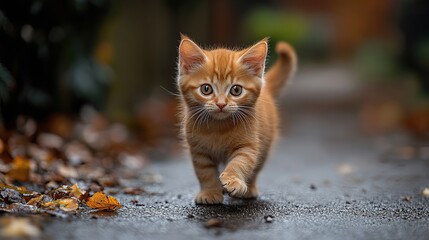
377,61
310,36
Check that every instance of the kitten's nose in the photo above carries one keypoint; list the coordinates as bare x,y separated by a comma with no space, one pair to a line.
221,105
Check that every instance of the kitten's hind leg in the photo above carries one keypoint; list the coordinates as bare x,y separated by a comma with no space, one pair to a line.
206,170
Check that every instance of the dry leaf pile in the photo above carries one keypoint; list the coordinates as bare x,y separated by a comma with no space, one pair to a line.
63,165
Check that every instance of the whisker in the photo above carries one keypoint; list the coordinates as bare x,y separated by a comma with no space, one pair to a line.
248,113
242,121
168,91
198,115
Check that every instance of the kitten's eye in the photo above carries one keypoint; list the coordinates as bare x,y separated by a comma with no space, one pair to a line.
206,89
236,90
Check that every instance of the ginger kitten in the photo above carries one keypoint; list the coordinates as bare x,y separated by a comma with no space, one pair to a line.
229,115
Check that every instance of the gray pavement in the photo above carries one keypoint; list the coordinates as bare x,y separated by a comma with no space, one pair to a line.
324,180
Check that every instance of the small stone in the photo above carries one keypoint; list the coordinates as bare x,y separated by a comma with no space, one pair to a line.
425,192
190,216
406,198
213,222
345,169
269,219
348,202
313,187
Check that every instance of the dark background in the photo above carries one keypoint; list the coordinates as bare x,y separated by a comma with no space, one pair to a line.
120,56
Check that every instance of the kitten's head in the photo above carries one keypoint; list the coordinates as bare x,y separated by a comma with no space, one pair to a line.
220,83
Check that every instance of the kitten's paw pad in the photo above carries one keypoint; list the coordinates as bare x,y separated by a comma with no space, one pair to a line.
209,197
234,186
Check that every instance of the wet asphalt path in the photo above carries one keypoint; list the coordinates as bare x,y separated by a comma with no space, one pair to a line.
324,180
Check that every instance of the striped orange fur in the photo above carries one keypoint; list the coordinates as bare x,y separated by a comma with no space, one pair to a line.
229,115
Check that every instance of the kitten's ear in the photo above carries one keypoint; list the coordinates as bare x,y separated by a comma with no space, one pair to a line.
254,57
190,55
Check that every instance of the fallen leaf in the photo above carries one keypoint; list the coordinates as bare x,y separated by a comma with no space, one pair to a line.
21,190
20,169
213,222
76,192
102,202
67,171
36,200
19,227
60,192
66,204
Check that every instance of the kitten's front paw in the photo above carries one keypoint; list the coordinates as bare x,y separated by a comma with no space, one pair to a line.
209,197
234,186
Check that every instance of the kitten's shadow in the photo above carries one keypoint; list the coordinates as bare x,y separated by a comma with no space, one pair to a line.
236,213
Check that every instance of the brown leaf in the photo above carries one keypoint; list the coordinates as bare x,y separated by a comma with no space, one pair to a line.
20,169
102,202
213,222
59,193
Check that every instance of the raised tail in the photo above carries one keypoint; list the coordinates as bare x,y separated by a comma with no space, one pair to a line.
282,70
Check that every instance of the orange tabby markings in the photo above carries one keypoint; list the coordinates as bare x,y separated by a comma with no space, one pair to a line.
209,196
233,185
229,115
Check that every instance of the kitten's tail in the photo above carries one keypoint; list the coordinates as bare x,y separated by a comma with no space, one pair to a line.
282,70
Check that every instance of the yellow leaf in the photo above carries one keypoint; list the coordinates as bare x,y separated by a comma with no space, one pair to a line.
76,192
66,204
35,201
101,201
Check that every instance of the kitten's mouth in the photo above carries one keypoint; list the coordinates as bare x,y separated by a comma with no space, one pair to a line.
219,114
